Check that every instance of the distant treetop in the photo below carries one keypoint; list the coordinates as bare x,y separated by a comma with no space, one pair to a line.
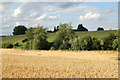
100,29
81,28
20,29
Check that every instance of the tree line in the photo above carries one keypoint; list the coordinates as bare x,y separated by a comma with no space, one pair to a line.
66,39
20,29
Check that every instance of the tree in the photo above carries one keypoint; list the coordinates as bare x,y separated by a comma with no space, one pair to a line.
20,29
7,45
29,33
108,42
90,43
86,43
81,28
56,29
37,39
75,44
63,36
115,44
40,39
100,29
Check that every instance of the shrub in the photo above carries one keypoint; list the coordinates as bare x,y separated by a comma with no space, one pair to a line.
16,44
63,36
37,39
41,44
40,39
108,42
75,44
52,48
96,44
29,33
115,44
28,45
86,43
65,45
7,45
24,40
90,43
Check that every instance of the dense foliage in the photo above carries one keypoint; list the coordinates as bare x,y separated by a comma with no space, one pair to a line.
20,29
81,28
65,39
37,39
100,29
7,45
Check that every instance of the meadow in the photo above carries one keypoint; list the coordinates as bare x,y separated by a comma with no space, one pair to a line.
17,63
51,36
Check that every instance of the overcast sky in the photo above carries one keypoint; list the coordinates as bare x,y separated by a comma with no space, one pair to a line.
49,14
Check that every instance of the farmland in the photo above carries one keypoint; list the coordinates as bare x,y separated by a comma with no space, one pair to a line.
51,36
17,63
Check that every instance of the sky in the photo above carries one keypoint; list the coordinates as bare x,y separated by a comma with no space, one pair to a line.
49,14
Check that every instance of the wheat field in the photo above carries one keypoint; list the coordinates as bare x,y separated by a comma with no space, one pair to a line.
18,63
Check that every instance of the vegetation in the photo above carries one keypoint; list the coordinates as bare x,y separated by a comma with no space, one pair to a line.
108,42
81,28
7,45
20,29
37,39
65,38
100,29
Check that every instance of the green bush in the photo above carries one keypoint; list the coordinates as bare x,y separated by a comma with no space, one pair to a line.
24,40
52,48
65,45
96,44
75,44
115,44
37,39
63,37
90,43
108,42
86,43
7,45
16,44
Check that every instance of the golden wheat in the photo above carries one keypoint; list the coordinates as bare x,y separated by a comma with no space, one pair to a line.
59,64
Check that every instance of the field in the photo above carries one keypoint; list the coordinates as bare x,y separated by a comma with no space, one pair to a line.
17,63
51,36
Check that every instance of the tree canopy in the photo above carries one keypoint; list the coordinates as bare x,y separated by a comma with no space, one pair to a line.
20,29
81,28
100,29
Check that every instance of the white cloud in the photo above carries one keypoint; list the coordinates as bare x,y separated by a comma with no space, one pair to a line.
43,16
90,15
52,17
16,12
46,17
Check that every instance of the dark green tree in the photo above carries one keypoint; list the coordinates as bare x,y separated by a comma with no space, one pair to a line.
55,30
81,28
100,29
29,33
40,39
63,36
108,42
20,29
